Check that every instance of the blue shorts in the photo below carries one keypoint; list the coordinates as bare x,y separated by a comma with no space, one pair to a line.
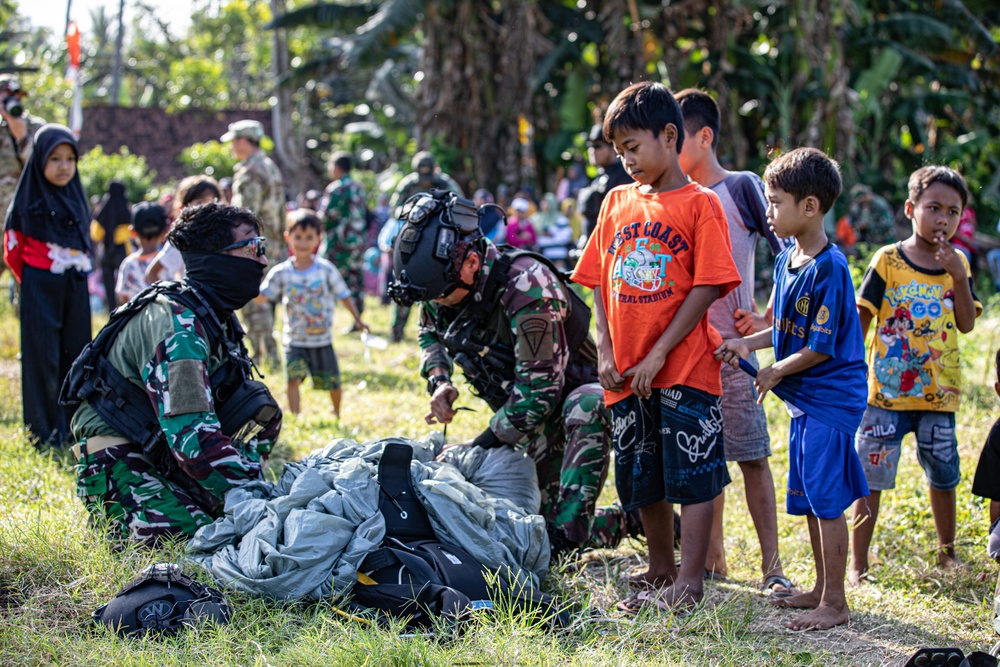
668,447
881,434
824,474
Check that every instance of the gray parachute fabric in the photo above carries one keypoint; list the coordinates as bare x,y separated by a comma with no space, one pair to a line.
306,535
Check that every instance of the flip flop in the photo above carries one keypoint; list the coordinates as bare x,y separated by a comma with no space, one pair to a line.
775,580
633,604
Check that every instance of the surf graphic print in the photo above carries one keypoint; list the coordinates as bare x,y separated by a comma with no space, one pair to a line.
644,253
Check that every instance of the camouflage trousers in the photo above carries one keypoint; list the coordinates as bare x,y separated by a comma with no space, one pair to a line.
571,458
351,267
400,314
258,320
121,486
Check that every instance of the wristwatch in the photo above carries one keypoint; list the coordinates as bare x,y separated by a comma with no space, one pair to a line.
434,380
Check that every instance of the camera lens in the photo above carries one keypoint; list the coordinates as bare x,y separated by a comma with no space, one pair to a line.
12,105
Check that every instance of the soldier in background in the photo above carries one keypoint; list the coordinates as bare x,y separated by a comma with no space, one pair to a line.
425,177
610,174
522,341
17,131
257,185
345,216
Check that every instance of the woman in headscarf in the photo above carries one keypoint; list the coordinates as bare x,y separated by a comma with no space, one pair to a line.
113,216
47,246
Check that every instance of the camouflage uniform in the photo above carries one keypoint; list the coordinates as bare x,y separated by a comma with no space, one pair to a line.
164,350
567,434
409,186
872,218
13,156
347,234
257,185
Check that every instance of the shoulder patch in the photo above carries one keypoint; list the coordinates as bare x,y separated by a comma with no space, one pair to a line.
187,388
534,338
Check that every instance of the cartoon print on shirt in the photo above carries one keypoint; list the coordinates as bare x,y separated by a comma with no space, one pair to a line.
900,370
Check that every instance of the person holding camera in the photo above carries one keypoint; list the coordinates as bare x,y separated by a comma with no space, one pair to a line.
17,129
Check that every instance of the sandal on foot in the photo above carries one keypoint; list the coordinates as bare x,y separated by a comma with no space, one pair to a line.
775,580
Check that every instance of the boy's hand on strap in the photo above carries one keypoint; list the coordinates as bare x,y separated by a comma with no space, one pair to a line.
767,379
644,372
732,350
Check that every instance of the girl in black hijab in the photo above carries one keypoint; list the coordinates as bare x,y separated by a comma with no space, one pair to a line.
47,246
114,216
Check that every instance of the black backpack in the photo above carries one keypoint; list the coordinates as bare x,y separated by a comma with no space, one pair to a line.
416,578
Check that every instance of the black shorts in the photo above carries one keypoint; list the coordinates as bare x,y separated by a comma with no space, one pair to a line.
669,447
318,362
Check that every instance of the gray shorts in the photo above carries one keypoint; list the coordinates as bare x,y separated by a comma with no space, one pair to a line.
744,424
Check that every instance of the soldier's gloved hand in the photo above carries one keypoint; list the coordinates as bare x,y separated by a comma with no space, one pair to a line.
442,401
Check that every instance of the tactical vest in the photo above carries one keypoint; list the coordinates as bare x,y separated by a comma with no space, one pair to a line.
243,405
482,344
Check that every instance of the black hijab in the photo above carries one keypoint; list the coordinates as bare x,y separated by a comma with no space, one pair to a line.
113,210
46,212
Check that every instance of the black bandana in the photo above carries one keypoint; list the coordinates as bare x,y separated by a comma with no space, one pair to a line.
227,282
47,212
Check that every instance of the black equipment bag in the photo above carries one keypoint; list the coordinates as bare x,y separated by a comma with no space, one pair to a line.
415,577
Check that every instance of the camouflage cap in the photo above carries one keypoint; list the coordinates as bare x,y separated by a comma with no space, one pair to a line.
423,163
247,129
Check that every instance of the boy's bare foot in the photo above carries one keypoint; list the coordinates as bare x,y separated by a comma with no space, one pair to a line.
825,616
858,576
948,561
809,600
649,579
673,598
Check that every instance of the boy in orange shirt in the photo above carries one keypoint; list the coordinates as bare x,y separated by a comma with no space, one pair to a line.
658,258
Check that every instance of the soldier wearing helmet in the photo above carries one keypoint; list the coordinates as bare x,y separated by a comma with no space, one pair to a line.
520,335
426,176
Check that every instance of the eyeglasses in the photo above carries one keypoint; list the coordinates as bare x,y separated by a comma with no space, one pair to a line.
258,244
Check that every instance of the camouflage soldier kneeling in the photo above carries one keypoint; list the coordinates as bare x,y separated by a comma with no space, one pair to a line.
521,337
157,448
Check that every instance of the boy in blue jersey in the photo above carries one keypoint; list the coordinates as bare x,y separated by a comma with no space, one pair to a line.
819,372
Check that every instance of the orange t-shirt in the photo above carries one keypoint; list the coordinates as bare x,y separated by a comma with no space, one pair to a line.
645,255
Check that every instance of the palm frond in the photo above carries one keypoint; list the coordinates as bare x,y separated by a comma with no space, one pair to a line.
343,15
382,29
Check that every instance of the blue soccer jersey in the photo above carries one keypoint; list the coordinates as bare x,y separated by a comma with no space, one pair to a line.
814,308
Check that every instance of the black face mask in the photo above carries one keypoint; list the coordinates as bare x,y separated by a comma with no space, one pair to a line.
227,282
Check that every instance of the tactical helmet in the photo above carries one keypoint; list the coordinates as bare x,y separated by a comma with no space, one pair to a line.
162,599
423,163
440,229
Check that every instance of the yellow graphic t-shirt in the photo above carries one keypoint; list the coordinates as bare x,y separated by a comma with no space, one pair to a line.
913,359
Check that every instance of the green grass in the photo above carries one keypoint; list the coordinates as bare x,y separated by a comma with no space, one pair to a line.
55,568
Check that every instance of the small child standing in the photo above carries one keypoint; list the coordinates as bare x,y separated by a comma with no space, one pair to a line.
47,247
920,295
659,256
819,371
149,224
309,287
987,481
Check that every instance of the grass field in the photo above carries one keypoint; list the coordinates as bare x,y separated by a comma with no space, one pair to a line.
55,569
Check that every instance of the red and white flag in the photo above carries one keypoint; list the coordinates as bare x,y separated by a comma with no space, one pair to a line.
73,75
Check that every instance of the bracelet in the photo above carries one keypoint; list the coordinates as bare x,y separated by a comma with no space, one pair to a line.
434,380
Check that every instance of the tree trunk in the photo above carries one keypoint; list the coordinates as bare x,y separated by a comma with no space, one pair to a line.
477,66
288,148
116,73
